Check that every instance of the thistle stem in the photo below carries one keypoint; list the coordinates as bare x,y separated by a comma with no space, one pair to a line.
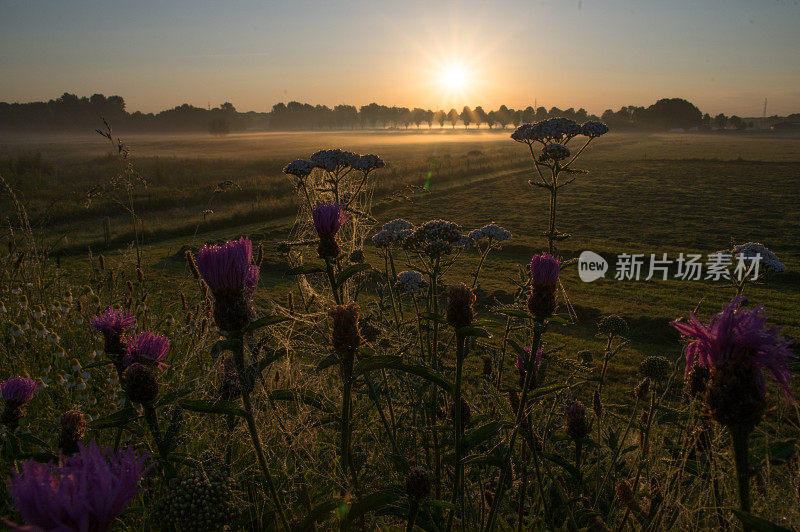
458,481
740,436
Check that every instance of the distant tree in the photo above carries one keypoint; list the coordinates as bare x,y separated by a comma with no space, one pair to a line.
503,116
529,115
541,114
581,115
466,116
491,118
608,116
479,115
428,118
736,122
440,117
219,127
669,113
452,116
706,120
516,118
720,121
555,112
418,116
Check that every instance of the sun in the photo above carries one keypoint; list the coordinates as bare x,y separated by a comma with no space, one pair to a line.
454,77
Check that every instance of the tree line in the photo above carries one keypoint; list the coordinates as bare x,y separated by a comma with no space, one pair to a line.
71,113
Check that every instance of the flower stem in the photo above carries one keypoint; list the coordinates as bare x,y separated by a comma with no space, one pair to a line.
458,481
740,436
347,392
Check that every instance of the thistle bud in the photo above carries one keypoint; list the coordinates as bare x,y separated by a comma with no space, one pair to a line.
597,406
418,485
544,278
575,420
459,305
346,336
656,368
466,414
627,499
612,325
139,383
72,429
139,275
696,381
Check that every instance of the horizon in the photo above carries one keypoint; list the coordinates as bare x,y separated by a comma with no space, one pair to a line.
724,57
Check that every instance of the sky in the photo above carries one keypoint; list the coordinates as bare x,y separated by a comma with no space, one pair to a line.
722,55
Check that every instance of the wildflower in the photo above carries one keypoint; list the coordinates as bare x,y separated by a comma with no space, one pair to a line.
735,346
459,305
382,238
87,492
749,251
334,160
523,133
612,325
555,151
17,393
597,405
228,272
410,281
575,420
434,238
72,429
139,383
418,484
328,219
544,276
656,368
367,163
491,231
593,129
534,365
299,168
346,336
146,348
113,323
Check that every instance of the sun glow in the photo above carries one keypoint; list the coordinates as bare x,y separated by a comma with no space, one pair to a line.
454,77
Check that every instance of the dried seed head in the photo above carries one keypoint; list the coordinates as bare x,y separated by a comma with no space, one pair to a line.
418,485
139,275
346,337
459,305
575,419
656,368
597,405
72,429
139,383
734,396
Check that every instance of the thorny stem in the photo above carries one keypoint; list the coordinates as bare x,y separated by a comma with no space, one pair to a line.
740,436
458,481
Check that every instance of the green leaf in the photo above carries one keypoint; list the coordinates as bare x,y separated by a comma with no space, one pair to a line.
212,407
447,505
265,321
304,396
305,269
320,514
120,418
372,503
97,364
350,271
477,436
513,313
757,523
255,369
171,397
228,344
780,452
561,461
395,362
328,361
559,319
471,330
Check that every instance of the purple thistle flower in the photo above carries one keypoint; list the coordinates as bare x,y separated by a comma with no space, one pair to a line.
739,332
228,265
113,321
86,492
544,270
520,364
328,219
18,390
146,348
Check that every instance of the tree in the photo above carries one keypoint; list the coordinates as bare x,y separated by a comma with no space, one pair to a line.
541,114
737,123
440,116
529,115
418,116
668,113
452,116
720,121
516,118
503,116
428,118
466,116
491,119
479,115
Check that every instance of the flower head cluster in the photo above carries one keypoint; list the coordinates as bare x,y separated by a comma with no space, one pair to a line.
550,130
367,163
435,238
491,231
328,219
228,266
200,499
87,492
334,160
459,305
739,333
393,231
299,168
410,281
575,419
593,129
750,250
544,269
544,276
146,348
555,151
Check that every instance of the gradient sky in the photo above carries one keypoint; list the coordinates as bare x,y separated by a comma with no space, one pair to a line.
722,55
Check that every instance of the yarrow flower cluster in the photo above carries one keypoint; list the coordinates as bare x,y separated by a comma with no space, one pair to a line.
491,231
394,231
555,151
367,163
228,272
299,168
336,160
146,348
558,129
410,281
749,251
435,238
87,492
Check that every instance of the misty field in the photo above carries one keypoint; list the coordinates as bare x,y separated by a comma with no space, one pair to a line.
343,447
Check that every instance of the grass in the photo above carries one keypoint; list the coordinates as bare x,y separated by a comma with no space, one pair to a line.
644,194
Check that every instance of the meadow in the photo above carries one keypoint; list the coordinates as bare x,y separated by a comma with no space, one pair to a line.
67,259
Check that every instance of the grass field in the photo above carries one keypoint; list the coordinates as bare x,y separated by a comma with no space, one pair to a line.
644,193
